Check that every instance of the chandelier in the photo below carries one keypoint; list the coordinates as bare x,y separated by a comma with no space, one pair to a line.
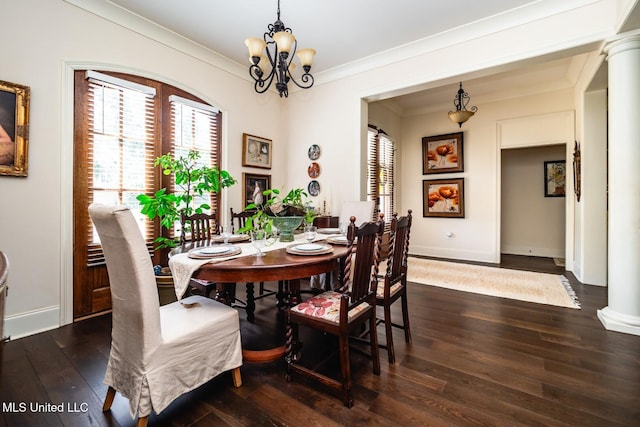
461,114
275,51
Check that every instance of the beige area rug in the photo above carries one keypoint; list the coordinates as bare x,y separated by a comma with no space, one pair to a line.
542,288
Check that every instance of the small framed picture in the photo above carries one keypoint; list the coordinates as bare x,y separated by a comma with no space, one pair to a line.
252,187
443,198
14,128
555,176
256,151
442,153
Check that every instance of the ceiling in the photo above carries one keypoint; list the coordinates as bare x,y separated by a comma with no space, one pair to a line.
344,32
341,31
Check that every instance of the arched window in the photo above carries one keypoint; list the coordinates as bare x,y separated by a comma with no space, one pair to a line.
122,124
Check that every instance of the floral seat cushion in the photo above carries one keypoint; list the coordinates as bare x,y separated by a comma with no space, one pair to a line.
326,306
380,289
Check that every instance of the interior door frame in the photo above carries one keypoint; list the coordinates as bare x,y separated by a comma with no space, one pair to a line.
517,133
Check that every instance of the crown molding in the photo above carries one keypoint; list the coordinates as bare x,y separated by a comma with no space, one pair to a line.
160,34
523,15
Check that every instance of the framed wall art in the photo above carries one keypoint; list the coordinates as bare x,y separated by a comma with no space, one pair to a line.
14,129
443,198
442,153
256,151
252,187
554,178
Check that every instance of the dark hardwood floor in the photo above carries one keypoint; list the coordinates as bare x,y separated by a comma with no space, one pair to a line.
475,360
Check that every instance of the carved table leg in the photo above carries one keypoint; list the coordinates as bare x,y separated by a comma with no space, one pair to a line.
294,292
251,303
281,295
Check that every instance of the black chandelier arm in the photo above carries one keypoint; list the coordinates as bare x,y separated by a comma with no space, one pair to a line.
306,79
262,83
462,100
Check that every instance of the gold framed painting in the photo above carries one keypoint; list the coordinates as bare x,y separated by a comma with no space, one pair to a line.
14,128
442,153
443,198
253,185
256,151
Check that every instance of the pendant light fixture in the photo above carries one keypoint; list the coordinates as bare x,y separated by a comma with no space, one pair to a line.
272,57
461,114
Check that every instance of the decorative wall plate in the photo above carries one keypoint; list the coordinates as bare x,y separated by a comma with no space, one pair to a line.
313,170
314,152
314,188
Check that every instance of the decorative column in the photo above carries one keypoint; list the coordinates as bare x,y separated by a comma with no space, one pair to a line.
623,312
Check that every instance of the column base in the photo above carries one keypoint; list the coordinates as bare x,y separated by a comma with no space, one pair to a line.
619,322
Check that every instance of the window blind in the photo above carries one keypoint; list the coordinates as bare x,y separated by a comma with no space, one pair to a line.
196,126
381,171
120,150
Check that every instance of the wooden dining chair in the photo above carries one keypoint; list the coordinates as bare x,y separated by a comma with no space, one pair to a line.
343,311
239,219
393,285
158,353
198,227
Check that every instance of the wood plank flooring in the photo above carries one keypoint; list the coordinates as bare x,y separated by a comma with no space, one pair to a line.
475,360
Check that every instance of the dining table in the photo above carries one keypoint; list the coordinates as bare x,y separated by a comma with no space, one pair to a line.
280,262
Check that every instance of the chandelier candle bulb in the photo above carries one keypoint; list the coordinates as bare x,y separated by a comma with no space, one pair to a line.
284,41
306,56
255,46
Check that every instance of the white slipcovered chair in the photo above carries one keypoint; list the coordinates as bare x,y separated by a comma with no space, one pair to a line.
158,353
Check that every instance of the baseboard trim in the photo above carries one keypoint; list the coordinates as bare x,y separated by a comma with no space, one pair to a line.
25,324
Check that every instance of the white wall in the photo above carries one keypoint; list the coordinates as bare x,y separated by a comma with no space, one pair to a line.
52,37
531,224
591,211
590,258
477,236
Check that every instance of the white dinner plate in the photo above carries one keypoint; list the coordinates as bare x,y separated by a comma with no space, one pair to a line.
339,239
309,247
232,238
328,230
214,250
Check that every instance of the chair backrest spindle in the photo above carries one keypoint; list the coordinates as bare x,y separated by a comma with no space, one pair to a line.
363,280
399,242
239,219
201,226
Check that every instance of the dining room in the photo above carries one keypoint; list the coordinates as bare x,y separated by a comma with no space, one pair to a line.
534,71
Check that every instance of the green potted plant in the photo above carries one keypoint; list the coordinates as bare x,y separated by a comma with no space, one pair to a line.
191,179
285,213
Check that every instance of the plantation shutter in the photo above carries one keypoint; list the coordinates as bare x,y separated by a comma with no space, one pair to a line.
120,150
372,167
386,175
196,126
381,171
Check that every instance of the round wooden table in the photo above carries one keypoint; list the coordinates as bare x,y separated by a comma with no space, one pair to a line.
276,265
